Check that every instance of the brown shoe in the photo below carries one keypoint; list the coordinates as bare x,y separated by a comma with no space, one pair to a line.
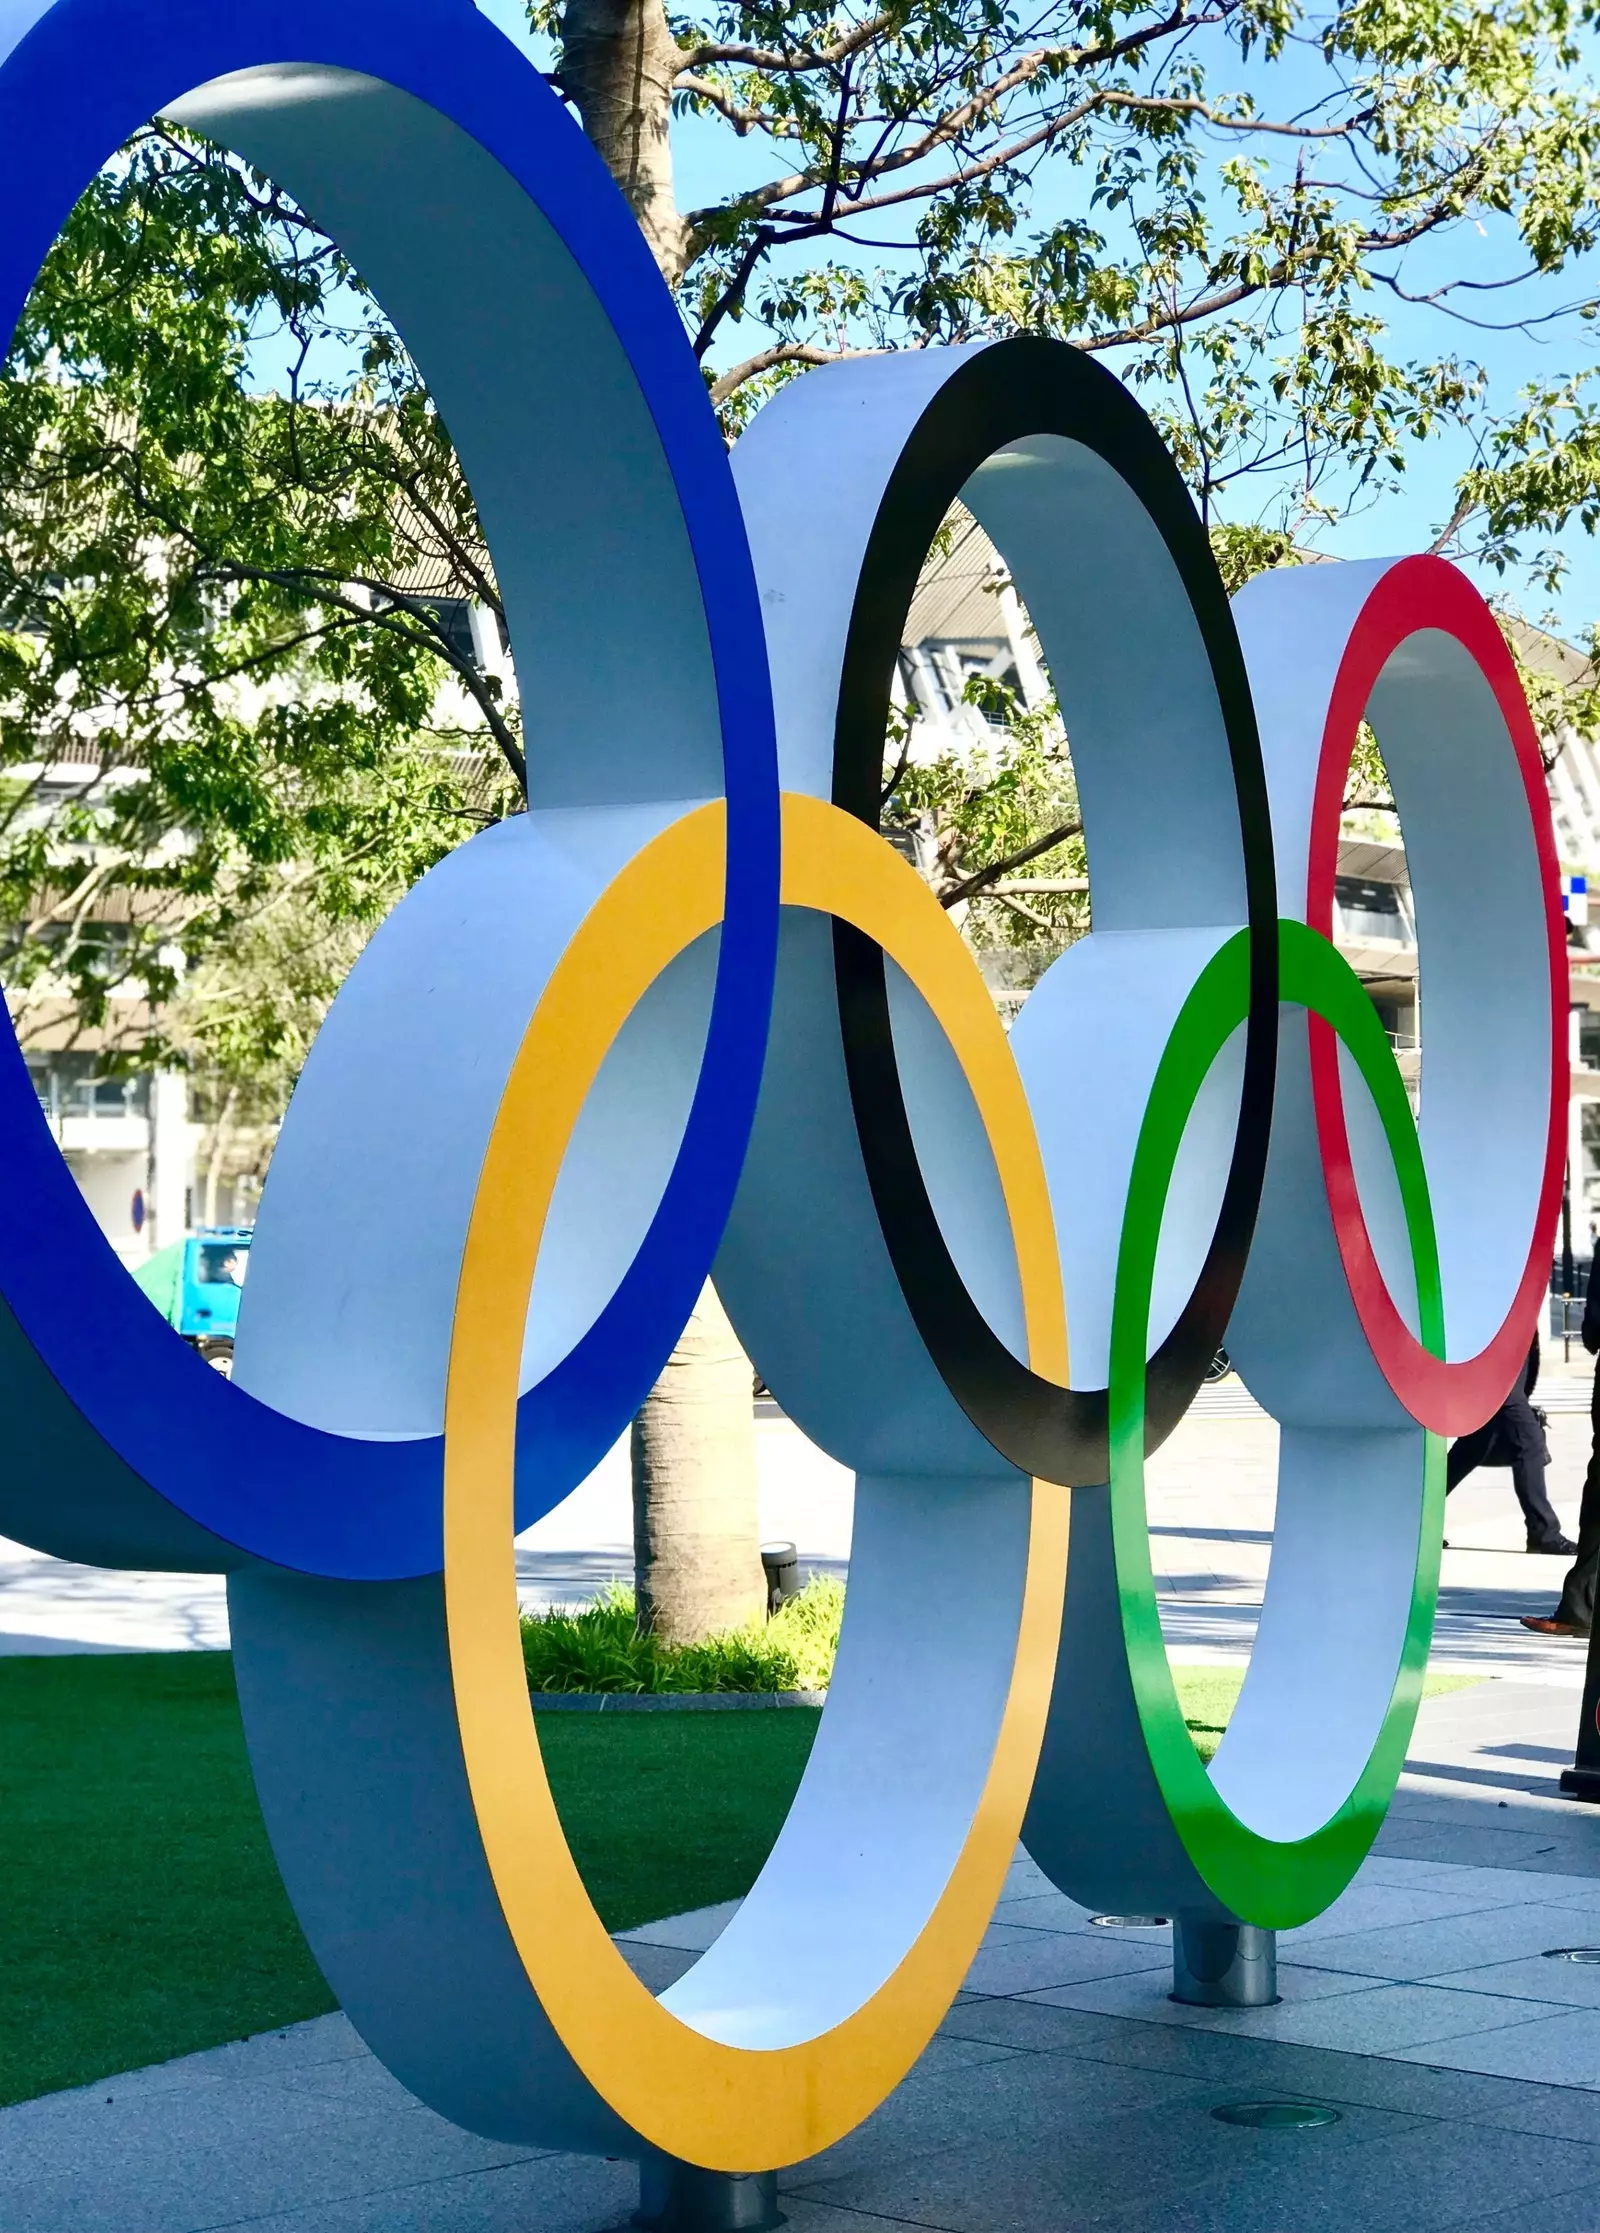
1551,1627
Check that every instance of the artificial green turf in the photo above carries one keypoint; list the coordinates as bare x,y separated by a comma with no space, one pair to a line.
669,1811
1208,1696
142,1912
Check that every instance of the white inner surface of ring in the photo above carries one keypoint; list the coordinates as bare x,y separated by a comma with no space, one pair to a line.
1156,788
1350,1465
349,1311
936,1578
1349,1507
1483,950
345,1321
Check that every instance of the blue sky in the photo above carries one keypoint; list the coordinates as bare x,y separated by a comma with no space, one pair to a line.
711,163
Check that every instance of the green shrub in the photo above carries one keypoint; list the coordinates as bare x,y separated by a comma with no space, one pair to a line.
597,1647
808,1626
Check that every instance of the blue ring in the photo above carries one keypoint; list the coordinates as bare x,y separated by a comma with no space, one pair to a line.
256,1482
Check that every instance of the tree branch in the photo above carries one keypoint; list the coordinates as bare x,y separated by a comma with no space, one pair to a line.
970,886
755,248
782,352
772,62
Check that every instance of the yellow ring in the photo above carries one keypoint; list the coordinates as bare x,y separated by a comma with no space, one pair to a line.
729,2108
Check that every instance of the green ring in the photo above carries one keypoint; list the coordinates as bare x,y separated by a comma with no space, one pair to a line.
1261,1880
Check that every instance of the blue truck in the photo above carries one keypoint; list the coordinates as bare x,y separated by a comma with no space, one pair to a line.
196,1285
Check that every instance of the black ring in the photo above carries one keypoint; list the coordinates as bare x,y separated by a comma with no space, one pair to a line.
1031,386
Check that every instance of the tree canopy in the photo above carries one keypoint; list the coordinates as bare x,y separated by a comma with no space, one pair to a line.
226,620
238,713
1230,200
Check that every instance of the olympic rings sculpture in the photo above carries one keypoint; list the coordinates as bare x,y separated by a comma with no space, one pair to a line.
557,1056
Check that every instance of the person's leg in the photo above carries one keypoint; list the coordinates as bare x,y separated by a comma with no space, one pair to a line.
1576,1608
1524,1438
1465,1452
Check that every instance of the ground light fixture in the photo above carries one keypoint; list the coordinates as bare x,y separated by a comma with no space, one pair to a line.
1277,2116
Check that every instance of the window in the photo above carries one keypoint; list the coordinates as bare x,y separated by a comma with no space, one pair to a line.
453,618
1398,1016
75,1085
1367,910
934,674
222,1264
1589,1128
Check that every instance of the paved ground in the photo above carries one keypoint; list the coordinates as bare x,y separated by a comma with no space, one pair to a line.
1065,2091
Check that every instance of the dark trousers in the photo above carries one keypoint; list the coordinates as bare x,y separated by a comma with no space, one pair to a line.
1577,1591
1512,1437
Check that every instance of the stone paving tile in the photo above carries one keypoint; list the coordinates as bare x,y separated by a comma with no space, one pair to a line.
695,1930
1390,2017
1411,2181
1561,1833
943,2055
1039,1958
1036,2101
113,2125
1423,2089
807,2216
322,2040
1003,1932
1045,1911
1365,2017
656,1966
193,2168
1371,1906
1588,1900
1552,1888
1572,2212
1558,2050
1435,1949
1025,1879
1043,2171
1412,2086
1474,1843
1147,1996
359,2083
1025,2113
1031,2025
557,2194
1568,1984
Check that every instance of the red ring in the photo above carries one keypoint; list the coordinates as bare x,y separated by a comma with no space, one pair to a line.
1414,594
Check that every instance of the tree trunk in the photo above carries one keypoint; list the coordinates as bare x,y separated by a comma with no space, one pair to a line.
216,1152
696,1524
618,62
696,1540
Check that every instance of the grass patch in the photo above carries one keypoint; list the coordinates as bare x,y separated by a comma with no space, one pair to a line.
597,1647
672,1811
143,1913
1208,1696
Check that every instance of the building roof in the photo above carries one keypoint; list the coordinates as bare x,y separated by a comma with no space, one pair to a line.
955,599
